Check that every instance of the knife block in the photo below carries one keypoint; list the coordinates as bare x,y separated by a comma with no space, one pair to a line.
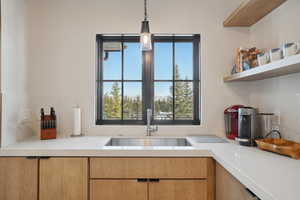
48,128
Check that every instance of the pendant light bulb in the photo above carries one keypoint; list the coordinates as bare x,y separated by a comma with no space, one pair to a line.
145,37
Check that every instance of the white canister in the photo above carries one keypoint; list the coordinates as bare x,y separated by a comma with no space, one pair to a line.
263,59
275,54
290,49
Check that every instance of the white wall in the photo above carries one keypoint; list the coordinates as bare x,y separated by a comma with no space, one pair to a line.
60,56
14,70
282,94
48,59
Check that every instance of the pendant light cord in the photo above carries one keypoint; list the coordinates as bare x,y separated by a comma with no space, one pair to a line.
145,11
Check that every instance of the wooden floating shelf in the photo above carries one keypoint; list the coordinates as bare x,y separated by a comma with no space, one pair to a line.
281,67
251,11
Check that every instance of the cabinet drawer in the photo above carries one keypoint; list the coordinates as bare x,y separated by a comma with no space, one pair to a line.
118,189
178,190
148,167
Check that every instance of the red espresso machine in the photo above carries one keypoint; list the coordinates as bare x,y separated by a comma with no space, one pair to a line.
231,121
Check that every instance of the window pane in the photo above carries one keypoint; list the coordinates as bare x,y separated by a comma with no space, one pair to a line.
163,101
132,61
184,61
132,109
163,56
184,100
111,100
112,58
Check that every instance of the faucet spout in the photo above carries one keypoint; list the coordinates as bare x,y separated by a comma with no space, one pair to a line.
150,128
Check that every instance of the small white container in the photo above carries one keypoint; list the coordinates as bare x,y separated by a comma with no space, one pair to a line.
263,59
275,54
290,49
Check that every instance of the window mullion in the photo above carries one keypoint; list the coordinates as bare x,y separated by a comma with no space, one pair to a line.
147,63
173,88
151,80
196,82
99,101
144,90
122,82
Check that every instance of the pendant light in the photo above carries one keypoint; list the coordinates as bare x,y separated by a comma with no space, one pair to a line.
145,37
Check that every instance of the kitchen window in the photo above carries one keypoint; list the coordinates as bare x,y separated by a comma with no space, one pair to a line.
165,80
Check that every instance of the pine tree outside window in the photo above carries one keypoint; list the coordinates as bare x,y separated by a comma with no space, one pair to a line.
165,79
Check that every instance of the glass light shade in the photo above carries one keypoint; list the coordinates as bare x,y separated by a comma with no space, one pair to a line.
145,40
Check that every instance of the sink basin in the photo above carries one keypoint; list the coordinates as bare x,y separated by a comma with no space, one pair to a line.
148,142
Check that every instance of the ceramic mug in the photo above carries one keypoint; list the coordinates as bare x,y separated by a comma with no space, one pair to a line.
290,49
275,54
263,59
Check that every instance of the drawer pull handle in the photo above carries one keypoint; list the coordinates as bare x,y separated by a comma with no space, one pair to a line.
32,157
44,157
154,180
142,180
37,157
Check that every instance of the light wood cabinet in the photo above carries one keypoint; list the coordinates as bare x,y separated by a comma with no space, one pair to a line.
178,190
63,179
228,188
68,178
18,178
118,189
162,178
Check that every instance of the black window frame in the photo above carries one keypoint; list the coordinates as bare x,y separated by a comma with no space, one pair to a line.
148,78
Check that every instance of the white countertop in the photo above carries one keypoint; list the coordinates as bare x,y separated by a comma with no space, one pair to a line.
269,176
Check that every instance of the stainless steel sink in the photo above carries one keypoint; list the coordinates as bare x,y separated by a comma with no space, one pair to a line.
148,142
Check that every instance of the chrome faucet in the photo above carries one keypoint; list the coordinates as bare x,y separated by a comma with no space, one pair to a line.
150,128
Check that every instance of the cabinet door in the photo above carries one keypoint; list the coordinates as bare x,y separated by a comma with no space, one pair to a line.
63,179
228,188
118,189
178,190
18,179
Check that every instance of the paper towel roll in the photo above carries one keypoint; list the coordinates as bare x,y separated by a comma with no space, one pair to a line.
77,121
